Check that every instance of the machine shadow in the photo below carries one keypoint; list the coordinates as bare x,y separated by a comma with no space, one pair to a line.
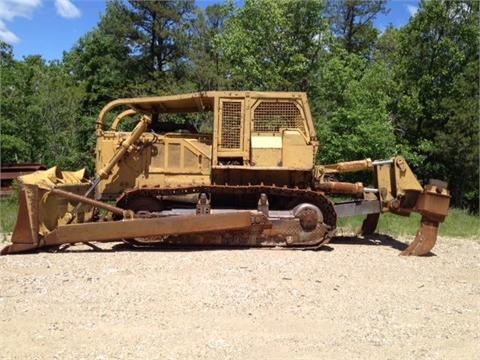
200,248
370,240
373,240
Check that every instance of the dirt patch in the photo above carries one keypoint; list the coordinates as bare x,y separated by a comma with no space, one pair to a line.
356,299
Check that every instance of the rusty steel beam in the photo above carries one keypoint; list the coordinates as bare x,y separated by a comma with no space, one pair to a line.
163,226
349,166
132,228
86,200
337,187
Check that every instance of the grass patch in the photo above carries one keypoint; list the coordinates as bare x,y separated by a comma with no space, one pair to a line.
459,223
8,214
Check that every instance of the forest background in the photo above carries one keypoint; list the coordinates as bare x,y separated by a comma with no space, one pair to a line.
412,91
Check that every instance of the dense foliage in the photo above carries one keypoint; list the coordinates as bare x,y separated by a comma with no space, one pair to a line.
373,94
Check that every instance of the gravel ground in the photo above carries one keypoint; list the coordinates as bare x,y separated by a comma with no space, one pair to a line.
357,299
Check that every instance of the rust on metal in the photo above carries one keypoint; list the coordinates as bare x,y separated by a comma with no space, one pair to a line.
162,226
86,200
424,240
349,166
433,204
370,224
25,227
335,187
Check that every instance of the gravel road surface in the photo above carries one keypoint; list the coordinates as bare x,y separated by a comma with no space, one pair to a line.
356,299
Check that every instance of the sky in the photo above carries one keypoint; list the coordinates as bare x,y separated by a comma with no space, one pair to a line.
50,27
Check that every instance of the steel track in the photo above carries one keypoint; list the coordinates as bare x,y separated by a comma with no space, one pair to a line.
292,195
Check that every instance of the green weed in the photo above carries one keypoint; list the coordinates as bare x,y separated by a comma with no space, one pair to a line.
459,223
8,214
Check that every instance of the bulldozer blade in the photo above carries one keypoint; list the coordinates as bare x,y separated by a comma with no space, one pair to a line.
24,231
138,227
24,237
17,248
424,240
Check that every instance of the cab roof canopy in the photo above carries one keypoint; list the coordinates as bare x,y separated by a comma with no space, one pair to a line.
184,103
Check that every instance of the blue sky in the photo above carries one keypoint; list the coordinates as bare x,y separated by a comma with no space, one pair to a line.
50,27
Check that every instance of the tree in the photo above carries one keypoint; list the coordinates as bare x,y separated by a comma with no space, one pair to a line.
387,47
101,61
13,147
353,121
58,104
21,128
138,48
437,110
274,45
207,71
39,113
457,145
352,23
159,38
160,31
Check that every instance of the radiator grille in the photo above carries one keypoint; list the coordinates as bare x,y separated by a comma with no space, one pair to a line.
271,116
231,124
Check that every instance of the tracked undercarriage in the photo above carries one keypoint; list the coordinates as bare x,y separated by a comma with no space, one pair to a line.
298,217
252,181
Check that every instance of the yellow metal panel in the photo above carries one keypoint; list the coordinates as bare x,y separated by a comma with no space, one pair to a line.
298,157
404,177
266,142
174,155
158,156
293,138
190,160
384,184
267,157
296,153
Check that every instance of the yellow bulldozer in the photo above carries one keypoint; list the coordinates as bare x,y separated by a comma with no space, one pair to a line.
249,179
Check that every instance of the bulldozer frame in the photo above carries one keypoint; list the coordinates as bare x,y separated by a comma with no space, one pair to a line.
252,182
